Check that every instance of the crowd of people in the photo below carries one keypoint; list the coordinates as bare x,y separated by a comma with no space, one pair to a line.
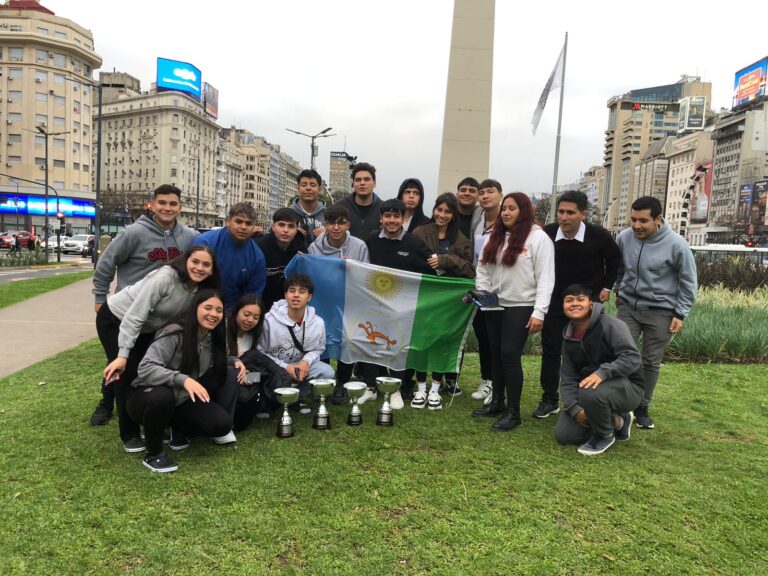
203,327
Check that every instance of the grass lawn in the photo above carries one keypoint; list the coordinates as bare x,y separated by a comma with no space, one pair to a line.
14,292
439,493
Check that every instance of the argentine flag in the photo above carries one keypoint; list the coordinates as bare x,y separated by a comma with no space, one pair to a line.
388,317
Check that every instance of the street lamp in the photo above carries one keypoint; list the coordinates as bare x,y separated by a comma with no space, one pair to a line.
17,179
313,149
47,134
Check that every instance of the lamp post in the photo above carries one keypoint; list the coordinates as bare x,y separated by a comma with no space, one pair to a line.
17,178
313,150
47,134
608,211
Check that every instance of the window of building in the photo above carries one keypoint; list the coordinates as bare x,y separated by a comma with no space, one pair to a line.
86,148
14,159
58,142
86,110
41,76
76,126
41,97
14,95
58,184
86,168
58,79
76,107
14,117
14,137
58,121
41,119
16,54
58,34
76,146
85,187
59,100
59,60
39,161
14,73
41,30
59,164
75,165
40,140
41,55
16,28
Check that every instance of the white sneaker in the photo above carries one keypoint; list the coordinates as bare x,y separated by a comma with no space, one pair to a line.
396,401
369,395
226,439
488,398
485,388
434,402
419,400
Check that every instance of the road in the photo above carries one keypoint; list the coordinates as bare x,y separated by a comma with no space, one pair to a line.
70,264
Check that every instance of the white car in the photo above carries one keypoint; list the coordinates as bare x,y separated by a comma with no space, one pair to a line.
78,244
53,243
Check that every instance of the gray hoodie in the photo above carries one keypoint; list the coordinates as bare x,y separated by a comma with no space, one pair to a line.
276,342
310,220
160,365
353,248
147,305
657,272
140,248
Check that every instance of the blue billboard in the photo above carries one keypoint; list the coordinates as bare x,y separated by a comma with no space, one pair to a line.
178,76
749,83
35,206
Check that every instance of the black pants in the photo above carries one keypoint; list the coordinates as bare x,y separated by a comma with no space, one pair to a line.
507,334
108,329
551,352
483,345
155,408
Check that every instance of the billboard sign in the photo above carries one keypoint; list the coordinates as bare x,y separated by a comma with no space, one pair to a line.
23,204
745,204
749,83
682,117
211,100
178,76
697,106
759,199
701,193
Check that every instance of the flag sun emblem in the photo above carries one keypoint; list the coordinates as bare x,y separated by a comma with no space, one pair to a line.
383,284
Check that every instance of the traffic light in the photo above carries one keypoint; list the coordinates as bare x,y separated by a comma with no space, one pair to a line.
60,216
750,244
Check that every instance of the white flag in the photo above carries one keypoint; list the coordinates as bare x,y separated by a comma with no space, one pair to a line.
552,84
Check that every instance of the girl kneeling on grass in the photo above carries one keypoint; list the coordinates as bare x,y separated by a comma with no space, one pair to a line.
181,379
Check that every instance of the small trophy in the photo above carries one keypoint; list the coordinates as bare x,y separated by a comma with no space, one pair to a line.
355,390
321,388
286,396
388,386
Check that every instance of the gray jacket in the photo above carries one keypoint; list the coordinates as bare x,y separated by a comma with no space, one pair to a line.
160,365
140,248
657,272
276,341
353,248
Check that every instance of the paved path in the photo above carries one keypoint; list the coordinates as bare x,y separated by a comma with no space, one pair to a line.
45,325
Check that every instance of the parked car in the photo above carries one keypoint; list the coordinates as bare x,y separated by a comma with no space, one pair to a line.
22,238
78,244
53,243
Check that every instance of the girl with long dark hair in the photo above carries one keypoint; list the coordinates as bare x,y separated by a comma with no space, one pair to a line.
180,380
517,264
127,322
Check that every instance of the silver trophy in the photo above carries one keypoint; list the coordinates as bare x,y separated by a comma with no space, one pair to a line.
321,388
387,386
286,396
355,390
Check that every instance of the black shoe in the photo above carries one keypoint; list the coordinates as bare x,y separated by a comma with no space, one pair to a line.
339,397
133,445
509,421
545,408
160,463
451,388
178,441
300,407
642,419
101,415
492,409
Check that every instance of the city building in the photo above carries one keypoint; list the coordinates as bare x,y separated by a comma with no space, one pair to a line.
229,175
46,90
652,170
340,175
592,183
636,120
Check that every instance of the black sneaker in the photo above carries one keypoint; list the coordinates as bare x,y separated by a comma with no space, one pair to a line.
178,441
101,415
133,445
642,419
452,388
545,408
339,397
623,433
160,463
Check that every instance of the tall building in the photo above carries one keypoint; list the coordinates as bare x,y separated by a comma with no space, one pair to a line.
229,175
46,67
340,175
650,177
636,120
592,183
157,138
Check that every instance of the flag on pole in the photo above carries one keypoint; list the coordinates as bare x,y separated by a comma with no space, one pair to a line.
388,317
552,84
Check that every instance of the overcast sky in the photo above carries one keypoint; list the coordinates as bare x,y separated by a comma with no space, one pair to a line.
377,71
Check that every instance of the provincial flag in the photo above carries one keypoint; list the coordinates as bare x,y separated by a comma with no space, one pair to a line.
388,317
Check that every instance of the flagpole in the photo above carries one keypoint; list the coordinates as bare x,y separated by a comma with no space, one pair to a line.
553,199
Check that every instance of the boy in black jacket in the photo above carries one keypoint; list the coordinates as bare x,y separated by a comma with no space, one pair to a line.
279,247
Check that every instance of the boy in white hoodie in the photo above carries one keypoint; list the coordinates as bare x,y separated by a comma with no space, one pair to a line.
294,337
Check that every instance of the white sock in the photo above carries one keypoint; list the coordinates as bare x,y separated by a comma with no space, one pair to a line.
422,386
435,387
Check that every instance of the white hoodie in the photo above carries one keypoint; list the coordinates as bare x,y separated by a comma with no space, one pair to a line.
276,341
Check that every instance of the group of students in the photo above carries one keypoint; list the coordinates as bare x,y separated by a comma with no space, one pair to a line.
192,373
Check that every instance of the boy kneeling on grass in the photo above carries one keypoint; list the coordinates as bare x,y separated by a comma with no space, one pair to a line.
294,337
601,375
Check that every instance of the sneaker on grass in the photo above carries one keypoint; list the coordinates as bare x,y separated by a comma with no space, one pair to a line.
483,390
545,408
419,400
101,414
396,400
452,388
622,434
133,445
596,445
178,441
370,394
434,402
643,419
228,438
160,463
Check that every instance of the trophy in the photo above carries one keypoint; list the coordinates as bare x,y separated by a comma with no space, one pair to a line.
286,396
321,388
388,386
355,390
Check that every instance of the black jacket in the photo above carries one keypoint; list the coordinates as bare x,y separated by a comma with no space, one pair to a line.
418,219
361,226
276,260
409,254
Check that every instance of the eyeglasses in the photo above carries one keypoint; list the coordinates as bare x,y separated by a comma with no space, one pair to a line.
337,223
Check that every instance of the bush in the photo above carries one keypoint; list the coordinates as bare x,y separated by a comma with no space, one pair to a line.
732,272
23,258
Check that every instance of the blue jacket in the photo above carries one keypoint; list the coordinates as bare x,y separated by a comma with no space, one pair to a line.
242,266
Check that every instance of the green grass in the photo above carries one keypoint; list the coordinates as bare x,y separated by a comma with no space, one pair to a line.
14,292
439,493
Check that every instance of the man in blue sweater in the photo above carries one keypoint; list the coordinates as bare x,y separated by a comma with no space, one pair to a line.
656,287
241,262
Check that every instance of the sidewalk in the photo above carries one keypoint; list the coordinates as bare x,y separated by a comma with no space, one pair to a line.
45,325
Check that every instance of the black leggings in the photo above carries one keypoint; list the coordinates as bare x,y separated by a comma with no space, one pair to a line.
483,345
507,334
155,408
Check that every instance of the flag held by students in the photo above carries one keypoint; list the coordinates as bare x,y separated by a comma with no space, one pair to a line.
388,317
552,84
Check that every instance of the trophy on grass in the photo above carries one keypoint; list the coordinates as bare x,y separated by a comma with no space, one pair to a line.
387,386
322,387
355,390
286,396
